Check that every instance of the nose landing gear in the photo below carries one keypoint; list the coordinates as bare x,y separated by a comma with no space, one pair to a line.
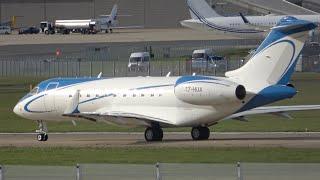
42,131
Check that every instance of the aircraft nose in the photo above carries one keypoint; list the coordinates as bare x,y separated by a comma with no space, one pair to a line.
17,109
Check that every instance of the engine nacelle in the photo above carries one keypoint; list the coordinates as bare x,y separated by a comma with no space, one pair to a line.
201,90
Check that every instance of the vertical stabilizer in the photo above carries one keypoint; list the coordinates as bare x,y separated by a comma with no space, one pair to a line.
114,12
274,61
201,9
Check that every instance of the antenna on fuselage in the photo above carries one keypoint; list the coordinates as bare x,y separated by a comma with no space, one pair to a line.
99,75
168,75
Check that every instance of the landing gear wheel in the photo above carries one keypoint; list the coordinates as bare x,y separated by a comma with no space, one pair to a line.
153,134
45,137
39,137
200,133
42,137
42,131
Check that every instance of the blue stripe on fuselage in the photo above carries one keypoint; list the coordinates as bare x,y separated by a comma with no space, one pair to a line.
221,28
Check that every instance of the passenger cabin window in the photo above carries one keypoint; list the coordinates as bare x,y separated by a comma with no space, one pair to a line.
51,86
34,91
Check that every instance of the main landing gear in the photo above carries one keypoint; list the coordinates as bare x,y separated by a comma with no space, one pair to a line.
200,133
42,131
153,134
156,133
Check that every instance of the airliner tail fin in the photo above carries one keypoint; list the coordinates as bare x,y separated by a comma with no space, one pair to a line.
200,9
114,12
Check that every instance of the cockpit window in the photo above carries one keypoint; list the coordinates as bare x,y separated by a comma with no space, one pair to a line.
52,86
34,91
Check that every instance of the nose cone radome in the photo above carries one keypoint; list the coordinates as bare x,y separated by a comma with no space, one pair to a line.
17,109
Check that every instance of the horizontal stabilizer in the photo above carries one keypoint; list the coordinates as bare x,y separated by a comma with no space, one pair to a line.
275,110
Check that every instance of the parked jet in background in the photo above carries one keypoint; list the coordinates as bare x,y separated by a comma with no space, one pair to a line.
205,18
185,101
105,23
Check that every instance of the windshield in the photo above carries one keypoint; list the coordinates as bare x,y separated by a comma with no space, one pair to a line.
34,91
43,25
135,59
198,55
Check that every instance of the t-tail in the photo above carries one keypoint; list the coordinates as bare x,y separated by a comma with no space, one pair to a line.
268,72
275,59
200,9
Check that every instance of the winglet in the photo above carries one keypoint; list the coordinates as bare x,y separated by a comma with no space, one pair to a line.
245,20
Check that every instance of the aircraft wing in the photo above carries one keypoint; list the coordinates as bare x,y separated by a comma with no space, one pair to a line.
120,115
274,110
119,118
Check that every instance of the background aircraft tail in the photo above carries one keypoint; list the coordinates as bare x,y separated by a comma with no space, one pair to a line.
200,9
114,12
275,59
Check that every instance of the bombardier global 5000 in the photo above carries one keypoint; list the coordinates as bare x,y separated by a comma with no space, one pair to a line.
184,101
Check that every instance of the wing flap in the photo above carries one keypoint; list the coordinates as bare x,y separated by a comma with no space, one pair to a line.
120,117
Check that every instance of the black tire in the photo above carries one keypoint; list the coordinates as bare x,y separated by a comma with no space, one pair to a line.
196,133
205,133
200,133
40,137
149,134
153,134
46,32
159,134
45,137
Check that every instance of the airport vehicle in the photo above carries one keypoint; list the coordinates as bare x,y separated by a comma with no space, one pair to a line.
47,27
201,54
29,30
5,30
139,61
184,101
105,23
205,18
203,59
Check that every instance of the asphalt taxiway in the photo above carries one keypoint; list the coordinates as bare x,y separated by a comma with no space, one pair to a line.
123,35
171,139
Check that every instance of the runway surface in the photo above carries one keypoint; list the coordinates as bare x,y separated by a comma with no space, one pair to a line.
124,35
171,139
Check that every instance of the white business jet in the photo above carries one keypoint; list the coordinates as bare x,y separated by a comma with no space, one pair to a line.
205,18
184,101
